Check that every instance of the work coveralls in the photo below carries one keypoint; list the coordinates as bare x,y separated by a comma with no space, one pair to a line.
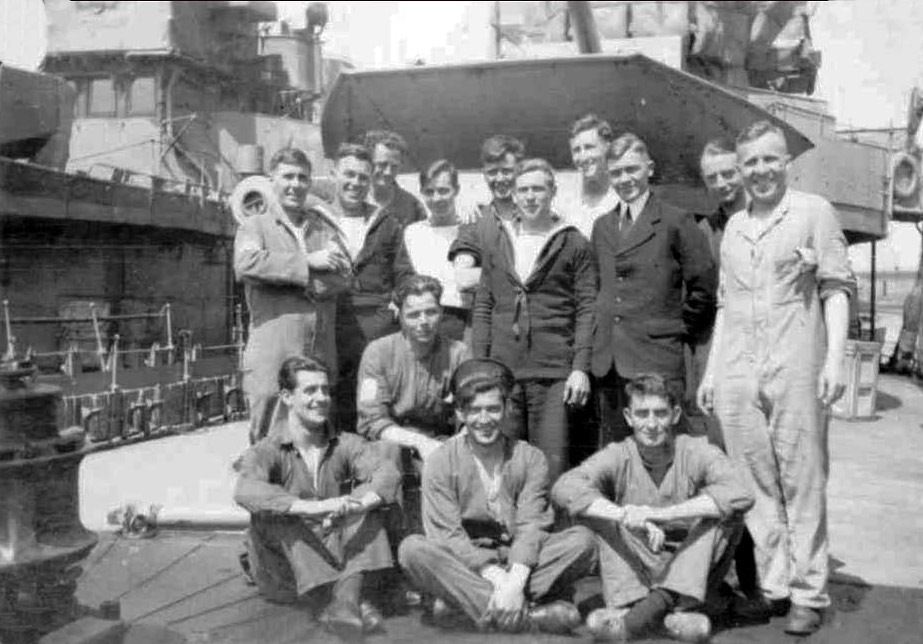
772,352
696,553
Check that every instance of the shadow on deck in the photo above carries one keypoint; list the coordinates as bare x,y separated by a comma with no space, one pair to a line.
190,583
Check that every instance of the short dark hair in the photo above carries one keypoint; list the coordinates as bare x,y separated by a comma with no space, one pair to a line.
477,375
534,165
756,130
416,285
288,372
291,156
498,146
626,143
592,122
387,138
441,166
718,146
355,150
653,384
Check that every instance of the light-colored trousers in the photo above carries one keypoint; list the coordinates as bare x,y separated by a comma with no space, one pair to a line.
688,566
776,428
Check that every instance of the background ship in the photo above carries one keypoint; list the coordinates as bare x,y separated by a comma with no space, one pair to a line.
116,166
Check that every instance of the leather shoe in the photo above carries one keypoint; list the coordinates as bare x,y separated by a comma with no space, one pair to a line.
760,609
343,619
608,624
803,620
556,617
687,626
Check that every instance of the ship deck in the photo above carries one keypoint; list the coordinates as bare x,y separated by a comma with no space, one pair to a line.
189,581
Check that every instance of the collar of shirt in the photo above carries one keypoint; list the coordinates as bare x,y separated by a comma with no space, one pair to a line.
608,203
637,206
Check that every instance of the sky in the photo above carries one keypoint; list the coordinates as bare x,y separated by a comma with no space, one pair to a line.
872,55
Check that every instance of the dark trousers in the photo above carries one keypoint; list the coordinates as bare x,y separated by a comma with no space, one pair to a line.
565,558
540,417
612,401
356,327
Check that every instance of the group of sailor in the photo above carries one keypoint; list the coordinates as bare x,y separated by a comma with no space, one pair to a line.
509,398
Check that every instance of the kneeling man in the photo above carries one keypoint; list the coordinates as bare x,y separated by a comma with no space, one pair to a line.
306,536
666,508
487,549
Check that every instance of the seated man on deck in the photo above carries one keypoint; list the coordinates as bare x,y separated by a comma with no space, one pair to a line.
404,384
307,537
667,509
487,550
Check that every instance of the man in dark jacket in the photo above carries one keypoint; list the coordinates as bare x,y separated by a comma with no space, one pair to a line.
389,150
657,285
374,244
534,312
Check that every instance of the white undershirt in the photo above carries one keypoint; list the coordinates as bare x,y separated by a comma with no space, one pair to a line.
492,482
354,231
298,232
428,247
526,249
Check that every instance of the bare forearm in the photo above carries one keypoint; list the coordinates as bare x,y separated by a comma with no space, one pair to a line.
604,509
836,316
406,437
700,507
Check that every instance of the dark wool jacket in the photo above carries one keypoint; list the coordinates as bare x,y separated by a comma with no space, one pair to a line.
657,291
381,264
471,236
542,328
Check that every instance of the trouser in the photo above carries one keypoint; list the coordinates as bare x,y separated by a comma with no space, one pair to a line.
565,558
690,563
700,424
777,430
356,327
406,516
540,417
612,401
290,557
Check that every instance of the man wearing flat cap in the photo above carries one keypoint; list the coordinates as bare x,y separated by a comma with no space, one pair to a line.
487,551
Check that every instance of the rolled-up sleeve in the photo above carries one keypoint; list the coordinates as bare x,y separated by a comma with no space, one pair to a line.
371,471
833,274
253,261
442,512
722,481
254,492
373,392
534,515
593,479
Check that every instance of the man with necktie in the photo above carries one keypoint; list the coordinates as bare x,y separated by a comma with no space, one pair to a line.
657,282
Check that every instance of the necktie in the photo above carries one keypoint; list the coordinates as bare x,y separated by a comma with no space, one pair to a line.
625,218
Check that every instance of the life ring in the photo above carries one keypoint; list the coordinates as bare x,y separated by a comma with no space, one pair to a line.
251,197
905,169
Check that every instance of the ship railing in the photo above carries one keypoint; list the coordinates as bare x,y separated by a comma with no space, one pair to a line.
106,360
127,176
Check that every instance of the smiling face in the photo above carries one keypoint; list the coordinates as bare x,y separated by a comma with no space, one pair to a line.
290,184
484,417
533,193
652,419
309,400
353,178
386,165
420,316
588,152
499,176
630,174
763,165
722,177
439,196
